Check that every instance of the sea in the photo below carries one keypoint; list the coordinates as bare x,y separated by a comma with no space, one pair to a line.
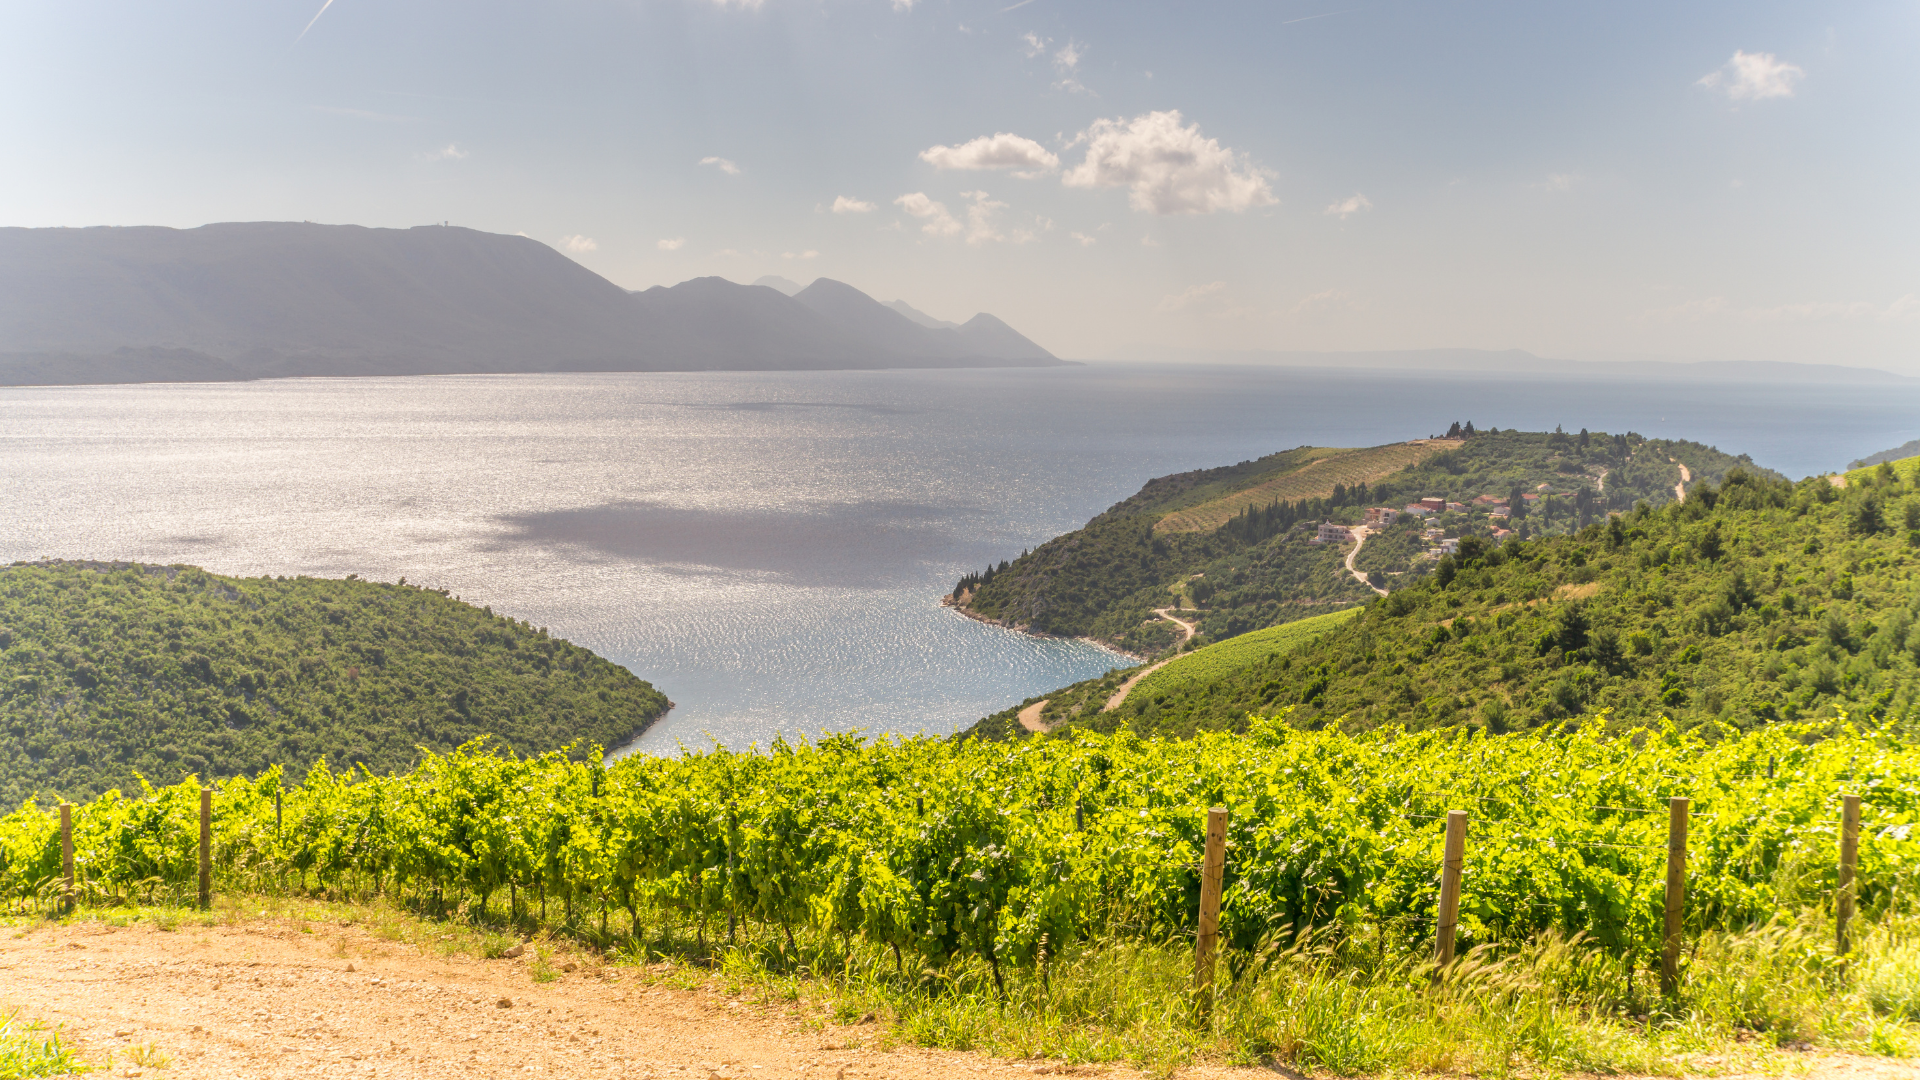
769,549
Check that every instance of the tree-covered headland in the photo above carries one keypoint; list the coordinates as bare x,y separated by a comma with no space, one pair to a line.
108,670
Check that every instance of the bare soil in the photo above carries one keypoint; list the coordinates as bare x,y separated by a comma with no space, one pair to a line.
267,999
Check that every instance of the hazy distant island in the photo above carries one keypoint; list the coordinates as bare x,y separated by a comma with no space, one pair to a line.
283,299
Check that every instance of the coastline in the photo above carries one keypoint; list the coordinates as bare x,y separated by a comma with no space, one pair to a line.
948,602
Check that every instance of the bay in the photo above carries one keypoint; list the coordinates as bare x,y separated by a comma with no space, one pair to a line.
768,548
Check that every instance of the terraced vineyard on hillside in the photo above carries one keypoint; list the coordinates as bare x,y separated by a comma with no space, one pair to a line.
1314,480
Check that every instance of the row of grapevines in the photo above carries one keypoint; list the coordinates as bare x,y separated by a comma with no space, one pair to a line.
1008,850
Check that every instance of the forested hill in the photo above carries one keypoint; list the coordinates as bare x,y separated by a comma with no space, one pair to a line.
108,670
1236,541
1753,601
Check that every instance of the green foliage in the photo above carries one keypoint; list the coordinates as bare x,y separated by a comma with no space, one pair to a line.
113,670
1104,580
954,849
1753,602
28,1049
1208,664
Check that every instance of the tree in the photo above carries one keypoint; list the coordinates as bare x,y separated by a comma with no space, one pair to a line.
1454,431
1866,519
1583,438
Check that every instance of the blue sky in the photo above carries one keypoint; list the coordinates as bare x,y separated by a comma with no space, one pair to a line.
1700,181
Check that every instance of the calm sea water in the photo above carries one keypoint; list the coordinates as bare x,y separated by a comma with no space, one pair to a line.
769,549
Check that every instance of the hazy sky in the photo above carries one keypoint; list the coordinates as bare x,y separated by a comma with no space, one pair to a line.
1687,180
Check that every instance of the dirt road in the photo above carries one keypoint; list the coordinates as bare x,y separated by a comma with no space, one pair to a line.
268,999
1680,489
1360,537
265,1000
1126,688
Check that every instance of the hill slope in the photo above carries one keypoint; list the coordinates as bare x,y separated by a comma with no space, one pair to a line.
1755,601
111,669
1238,542
267,299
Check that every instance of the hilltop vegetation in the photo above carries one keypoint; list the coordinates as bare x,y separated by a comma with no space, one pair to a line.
1752,602
108,670
1257,566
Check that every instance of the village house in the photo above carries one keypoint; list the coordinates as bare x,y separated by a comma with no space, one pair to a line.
1332,534
1456,508
1378,516
1433,505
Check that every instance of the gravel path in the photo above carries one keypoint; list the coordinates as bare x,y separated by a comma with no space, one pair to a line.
266,1000
1120,695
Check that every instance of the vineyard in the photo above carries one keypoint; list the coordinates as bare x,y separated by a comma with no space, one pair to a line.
1211,662
1314,480
1012,853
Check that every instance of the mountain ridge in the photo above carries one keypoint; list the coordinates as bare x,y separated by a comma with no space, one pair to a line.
254,300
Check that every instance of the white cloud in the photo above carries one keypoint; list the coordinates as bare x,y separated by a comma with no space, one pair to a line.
1083,238
674,244
1066,63
936,221
1324,300
844,205
1035,45
1349,206
1192,295
753,5
579,243
721,163
1754,77
1168,167
999,151
980,226
1559,181
449,152
801,255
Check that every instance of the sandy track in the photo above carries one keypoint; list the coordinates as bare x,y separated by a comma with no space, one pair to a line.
1029,717
1359,538
266,1000
1189,629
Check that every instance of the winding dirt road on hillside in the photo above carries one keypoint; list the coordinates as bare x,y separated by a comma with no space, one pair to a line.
1680,489
1120,695
1359,538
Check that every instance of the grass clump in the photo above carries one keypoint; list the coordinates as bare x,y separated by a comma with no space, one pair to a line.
28,1049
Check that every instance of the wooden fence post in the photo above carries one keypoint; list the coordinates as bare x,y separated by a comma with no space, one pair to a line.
1206,944
1843,896
1453,857
1676,894
66,855
277,821
206,848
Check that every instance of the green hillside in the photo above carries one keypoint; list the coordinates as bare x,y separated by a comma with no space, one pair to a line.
1755,601
108,670
1259,568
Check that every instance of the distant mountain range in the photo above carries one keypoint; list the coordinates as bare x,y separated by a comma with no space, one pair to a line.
273,299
